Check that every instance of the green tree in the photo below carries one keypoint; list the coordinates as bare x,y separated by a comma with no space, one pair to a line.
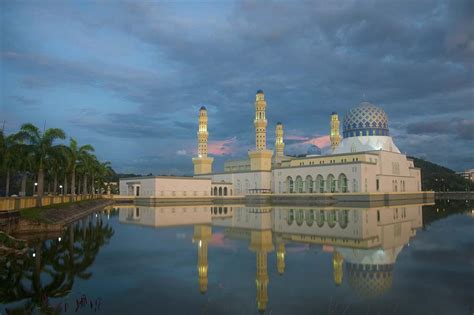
77,154
42,148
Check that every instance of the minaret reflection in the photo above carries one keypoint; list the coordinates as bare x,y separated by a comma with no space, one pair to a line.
337,264
261,243
281,256
202,235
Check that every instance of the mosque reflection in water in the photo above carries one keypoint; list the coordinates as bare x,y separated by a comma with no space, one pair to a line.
364,242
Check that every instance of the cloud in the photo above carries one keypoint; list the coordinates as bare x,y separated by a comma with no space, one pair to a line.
458,127
148,67
222,147
181,152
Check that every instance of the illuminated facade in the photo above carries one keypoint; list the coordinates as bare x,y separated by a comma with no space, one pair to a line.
365,160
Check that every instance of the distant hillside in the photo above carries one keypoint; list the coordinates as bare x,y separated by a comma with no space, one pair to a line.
439,178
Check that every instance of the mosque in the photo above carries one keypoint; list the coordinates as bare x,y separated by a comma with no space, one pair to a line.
364,159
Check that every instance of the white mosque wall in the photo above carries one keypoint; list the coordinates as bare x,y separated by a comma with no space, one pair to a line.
165,186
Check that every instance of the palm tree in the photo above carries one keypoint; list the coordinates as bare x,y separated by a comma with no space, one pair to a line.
8,156
42,147
56,164
75,155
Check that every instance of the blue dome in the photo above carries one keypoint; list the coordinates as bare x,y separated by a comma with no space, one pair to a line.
203,108
365,120
259,92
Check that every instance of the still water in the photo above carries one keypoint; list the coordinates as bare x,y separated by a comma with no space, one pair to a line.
410,259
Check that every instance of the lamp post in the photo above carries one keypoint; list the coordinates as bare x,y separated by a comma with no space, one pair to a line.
36,189
61,187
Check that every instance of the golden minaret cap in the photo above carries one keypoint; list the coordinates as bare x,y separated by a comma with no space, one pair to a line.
279,144
260,121
335,135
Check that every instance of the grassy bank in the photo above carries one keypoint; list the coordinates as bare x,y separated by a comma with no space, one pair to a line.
48,214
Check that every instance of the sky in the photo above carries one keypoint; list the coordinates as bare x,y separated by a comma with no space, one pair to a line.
129,77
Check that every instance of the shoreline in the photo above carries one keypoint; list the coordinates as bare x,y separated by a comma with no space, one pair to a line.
50,220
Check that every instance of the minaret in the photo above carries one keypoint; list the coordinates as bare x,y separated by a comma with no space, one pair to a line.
337,264
279,144
202,133
202,234
202,163
335,136
260,121
260,159
261,243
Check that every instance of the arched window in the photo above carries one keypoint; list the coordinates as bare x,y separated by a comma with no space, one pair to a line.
331,183
291,217
220,191
220,210
343,218
308,184
225,191
309,217
225,210
299,217
289,185
215,191
332,218
320,184
212,192
299,184
320,218
342,183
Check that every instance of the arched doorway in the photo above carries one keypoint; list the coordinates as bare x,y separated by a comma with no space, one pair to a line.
331,183
299,184
319,184
225,191
220,191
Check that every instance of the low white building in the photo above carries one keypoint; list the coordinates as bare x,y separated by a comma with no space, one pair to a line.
165,186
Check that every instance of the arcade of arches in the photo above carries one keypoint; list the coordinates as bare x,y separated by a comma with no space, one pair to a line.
319,184
320,217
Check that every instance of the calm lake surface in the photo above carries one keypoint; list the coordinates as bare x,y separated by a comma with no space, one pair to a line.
409,259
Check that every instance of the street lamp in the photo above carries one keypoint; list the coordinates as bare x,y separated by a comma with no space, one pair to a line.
61,187
36,188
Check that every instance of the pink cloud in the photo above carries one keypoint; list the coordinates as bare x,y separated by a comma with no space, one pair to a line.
222,147
321,141
292,137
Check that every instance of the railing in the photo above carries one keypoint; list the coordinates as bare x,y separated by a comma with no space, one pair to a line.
17,203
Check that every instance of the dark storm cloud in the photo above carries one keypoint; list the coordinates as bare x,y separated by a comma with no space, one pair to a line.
458,127
413,58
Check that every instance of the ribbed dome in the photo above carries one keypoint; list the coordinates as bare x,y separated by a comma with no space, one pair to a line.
365,119
203,108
